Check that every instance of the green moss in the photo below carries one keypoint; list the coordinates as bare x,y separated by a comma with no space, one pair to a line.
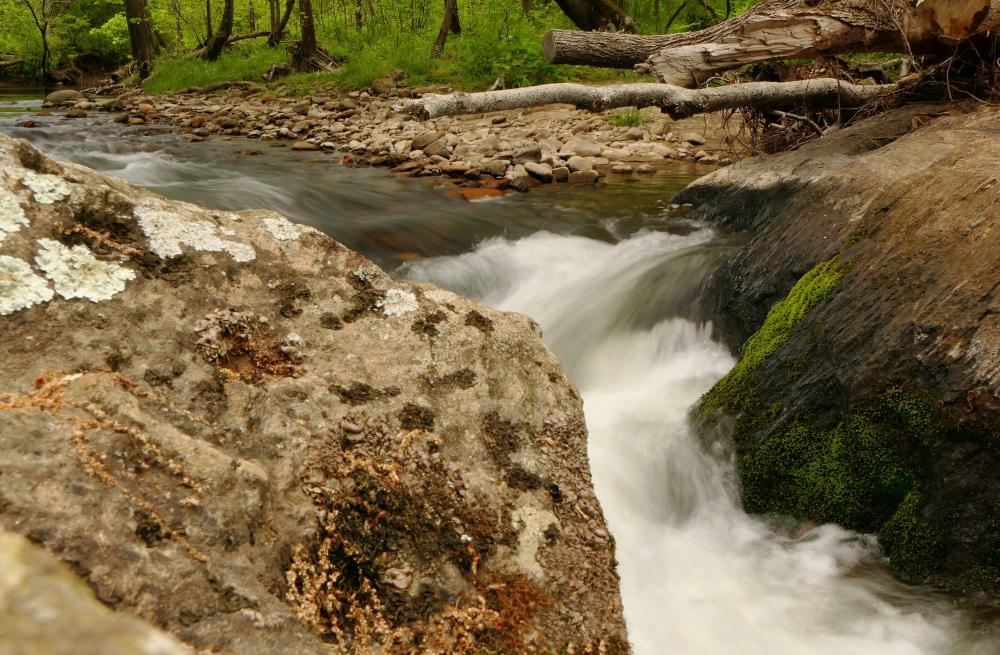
813,288
912,545
979,579
915,412
849,474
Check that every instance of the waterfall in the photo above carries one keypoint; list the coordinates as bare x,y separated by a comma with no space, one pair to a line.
699,576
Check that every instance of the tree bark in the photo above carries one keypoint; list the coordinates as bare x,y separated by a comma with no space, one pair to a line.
41,20
676,101
449,23
958,20
278,28
308,47
602,15
782,29
140,35
604,49
216,42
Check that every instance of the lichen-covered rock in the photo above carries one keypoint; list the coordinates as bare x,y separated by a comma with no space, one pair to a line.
235,428
868,305
46,610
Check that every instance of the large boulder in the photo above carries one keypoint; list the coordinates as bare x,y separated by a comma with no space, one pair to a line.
239,430
868,305
61,97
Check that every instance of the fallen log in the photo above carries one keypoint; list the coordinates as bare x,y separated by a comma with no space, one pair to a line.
675,101
782,29
603,49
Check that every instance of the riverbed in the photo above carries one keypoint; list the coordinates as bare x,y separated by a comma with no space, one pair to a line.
614,275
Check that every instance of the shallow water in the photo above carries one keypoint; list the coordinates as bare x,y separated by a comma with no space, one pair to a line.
614,276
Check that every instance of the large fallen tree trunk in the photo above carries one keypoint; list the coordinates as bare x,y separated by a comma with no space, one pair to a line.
604,49
675,101
783,29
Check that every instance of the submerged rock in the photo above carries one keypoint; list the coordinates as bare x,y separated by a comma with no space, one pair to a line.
868,390
237,429
62,96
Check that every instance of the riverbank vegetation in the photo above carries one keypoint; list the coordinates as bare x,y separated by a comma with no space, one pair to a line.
193,43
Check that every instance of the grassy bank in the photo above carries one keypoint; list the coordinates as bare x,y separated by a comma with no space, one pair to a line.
492,46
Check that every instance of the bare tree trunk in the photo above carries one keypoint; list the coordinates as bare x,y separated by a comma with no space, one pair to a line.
175,9
602,15
209,25
41,20
448,24
674,100
278,29
251,16
308,47
46,73
140,35
781,29
711,12
216,42
455,25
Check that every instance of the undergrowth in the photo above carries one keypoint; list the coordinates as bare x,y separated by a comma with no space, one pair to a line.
629,117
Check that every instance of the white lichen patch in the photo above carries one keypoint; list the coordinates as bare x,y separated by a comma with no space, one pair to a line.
47,189
12,217
281,228
370,275
20,287
531,524
76,273
397,303
167,231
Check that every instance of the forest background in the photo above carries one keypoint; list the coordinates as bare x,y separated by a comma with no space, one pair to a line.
498,42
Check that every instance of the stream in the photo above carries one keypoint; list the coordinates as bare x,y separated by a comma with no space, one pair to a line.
615,277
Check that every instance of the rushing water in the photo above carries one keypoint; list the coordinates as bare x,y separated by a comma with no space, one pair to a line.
614,277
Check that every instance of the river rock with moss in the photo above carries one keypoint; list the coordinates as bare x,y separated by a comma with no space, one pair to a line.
868,306
235,428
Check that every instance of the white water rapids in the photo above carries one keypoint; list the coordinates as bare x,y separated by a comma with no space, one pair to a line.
699,576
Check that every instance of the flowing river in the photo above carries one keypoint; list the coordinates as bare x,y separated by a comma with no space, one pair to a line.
614,276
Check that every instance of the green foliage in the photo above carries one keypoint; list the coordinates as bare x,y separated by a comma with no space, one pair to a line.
234,64
813,288
629,117
499,41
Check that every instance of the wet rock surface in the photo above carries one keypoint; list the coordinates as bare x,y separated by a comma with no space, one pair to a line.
868,306
240,431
